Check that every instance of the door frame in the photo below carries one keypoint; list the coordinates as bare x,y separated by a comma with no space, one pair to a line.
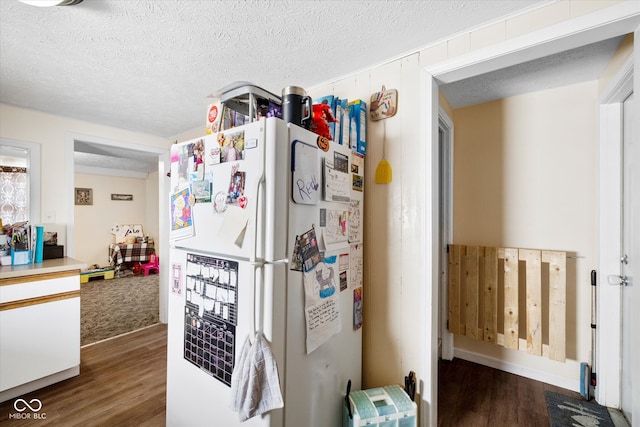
446,157
163,168
618,19
608,362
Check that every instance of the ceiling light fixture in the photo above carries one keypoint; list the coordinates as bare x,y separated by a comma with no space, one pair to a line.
48,3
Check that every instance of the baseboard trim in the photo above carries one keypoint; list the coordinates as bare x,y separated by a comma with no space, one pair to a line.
522,370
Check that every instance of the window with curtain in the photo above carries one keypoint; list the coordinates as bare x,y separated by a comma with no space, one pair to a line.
19,181
14,194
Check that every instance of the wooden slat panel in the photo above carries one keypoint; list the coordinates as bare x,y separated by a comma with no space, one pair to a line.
557,303
511,298
471,280
490,294
534,300
454,289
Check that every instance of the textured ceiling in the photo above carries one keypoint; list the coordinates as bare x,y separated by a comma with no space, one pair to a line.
578,65
148,65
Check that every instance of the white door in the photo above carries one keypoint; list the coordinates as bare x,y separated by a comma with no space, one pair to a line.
630,246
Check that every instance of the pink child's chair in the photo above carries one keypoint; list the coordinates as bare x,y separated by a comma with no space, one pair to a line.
153,264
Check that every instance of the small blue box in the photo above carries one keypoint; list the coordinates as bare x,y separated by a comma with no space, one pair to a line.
21,257
358,126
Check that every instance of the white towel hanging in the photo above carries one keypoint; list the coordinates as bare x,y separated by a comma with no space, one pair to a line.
255,385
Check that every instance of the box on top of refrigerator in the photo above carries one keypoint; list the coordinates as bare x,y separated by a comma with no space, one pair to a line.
358,126
387,406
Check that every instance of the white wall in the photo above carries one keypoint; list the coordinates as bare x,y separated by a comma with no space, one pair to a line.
51,133
393,212
392,235
93,223
525,174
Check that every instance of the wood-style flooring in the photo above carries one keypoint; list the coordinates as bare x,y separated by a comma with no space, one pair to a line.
122,382
473,395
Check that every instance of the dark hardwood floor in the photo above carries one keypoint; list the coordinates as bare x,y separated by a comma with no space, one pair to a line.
473,395
122,382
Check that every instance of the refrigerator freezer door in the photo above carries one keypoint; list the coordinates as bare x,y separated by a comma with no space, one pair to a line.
229,220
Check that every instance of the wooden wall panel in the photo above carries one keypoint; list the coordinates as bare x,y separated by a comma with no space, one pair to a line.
511,298
533,300
454,290
474,283
490,295
557,303
471,281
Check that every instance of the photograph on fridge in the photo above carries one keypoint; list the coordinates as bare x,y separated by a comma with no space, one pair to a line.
236,187
231,146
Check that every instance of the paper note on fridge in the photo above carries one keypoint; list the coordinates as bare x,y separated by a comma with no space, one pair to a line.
304,168
233,226
337,187
321,303
335,230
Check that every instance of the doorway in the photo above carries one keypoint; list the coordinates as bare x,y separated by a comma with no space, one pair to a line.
112,148
615,369
562,37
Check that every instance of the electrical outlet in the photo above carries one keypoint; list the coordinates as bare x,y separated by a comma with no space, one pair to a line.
50,217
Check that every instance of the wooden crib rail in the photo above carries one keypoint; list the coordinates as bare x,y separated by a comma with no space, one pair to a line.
475,282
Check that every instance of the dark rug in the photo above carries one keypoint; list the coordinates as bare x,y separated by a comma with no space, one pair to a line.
569,411
113,307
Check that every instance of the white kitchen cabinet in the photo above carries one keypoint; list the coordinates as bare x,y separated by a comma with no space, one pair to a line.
39,325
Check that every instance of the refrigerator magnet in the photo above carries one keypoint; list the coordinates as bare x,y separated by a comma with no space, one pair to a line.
220,202
323,143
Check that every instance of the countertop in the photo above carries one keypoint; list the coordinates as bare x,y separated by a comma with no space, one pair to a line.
46,266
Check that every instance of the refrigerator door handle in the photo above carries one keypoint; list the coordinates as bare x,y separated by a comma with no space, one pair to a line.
259,216
258,298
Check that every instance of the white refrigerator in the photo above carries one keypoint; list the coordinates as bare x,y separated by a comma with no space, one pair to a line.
266,236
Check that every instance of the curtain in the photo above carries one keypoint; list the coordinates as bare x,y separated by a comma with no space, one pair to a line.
14,194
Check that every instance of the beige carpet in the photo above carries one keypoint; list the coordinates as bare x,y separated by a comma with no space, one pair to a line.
113,307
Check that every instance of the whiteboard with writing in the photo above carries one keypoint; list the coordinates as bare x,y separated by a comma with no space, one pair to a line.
306,179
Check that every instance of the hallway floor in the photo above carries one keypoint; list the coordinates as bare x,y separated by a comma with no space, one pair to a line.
476,396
